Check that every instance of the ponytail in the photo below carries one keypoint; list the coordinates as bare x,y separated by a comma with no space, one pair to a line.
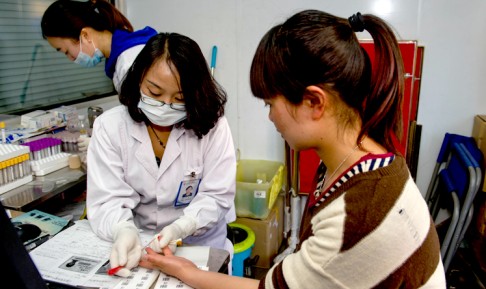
382,108
113,16
66,18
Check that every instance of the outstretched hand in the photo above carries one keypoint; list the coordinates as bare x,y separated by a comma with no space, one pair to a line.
168,263
187,272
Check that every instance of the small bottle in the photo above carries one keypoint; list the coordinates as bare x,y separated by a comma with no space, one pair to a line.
83,125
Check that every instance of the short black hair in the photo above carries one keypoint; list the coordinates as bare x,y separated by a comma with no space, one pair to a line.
204,98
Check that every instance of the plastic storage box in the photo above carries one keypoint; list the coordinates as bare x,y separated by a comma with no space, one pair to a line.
258,183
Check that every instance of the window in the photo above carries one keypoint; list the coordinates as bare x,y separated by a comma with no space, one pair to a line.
33,75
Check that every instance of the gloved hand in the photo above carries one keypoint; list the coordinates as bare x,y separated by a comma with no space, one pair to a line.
127,249
179,229
83,142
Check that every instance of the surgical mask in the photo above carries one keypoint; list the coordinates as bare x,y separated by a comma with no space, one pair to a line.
85,60
162,113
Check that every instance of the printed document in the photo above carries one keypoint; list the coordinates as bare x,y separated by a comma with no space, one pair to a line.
76,256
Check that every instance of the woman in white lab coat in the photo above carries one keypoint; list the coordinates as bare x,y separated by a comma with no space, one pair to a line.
169,134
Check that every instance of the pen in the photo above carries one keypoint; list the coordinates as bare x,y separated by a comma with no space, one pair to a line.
213,59
113,271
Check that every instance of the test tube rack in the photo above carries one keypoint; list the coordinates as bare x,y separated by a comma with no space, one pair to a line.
15,169
47,156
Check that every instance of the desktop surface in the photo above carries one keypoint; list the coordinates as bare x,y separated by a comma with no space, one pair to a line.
42,189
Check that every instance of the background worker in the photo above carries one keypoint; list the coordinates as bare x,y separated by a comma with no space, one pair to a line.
88,32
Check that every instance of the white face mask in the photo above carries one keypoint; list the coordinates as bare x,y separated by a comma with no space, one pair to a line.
162,114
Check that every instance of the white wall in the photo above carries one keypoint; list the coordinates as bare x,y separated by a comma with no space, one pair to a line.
454,60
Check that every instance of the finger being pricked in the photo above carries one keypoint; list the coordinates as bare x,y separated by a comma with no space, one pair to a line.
165,252
144,260
166,262
152,259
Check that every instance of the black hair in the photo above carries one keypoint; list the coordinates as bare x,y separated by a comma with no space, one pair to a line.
316,48
66,18
204,98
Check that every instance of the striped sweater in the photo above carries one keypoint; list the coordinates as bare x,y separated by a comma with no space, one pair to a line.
373,231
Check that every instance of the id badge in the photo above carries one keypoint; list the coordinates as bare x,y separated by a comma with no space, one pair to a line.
187,191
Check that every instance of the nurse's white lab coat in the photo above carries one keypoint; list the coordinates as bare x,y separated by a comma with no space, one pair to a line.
124,182
123,63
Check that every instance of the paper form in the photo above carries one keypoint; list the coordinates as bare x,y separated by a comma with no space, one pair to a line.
76,256
168,282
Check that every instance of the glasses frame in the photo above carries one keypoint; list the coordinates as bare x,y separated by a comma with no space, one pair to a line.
158,103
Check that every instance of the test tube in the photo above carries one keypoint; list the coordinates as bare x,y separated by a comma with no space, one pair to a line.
37,153
4,172
49,147
64,144
16,169
43,150
11,176
1,174
27,168
74,144
58,146
21,166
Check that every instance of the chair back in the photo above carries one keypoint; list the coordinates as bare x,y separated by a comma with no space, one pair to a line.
453,188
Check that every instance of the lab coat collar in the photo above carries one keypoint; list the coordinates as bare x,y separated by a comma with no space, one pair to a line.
172,150
138,131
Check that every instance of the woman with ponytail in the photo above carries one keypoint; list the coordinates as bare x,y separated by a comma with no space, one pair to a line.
366,225
89,31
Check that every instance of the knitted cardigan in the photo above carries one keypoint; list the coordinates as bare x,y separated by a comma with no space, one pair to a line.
374,231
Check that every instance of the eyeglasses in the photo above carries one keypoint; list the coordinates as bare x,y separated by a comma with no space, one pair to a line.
153,102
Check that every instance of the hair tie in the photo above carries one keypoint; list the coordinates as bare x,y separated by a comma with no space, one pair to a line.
356,22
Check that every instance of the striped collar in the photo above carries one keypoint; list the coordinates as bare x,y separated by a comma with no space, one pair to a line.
367,163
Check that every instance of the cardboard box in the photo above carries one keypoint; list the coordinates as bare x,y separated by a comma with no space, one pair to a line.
479,135
479,129
268,234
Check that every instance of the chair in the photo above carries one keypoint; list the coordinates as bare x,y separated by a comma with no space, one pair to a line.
467,208
443,157
456,180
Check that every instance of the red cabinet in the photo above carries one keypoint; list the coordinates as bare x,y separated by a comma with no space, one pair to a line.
412,55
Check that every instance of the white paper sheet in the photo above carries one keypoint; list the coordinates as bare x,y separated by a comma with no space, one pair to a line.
78,257
167,282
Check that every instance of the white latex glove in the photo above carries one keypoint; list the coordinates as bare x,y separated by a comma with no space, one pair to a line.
179,229
127,249
83,142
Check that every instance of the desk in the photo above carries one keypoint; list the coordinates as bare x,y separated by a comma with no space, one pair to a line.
41,189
